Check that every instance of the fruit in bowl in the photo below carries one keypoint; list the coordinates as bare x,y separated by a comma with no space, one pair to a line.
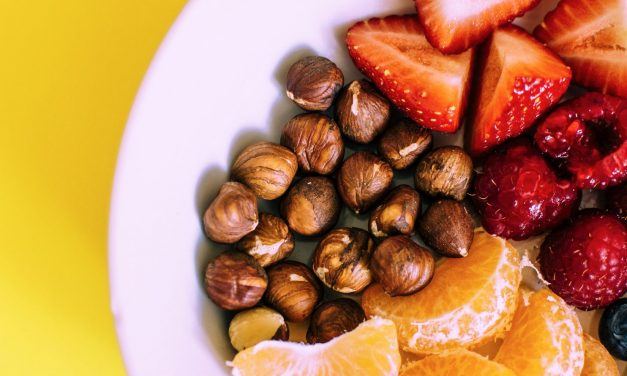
519,195
469,301
519,80
472,298
588,135
359,148
585,262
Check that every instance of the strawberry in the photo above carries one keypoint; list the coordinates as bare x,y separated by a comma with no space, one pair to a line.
585,262
591,37
519,80
452,26
429,87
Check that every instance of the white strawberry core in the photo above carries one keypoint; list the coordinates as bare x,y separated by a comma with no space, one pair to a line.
459,10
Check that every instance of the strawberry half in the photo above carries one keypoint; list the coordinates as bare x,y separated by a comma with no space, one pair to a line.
429,87
518,80
591,37
452,26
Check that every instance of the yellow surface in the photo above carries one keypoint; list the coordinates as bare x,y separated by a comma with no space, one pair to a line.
69,70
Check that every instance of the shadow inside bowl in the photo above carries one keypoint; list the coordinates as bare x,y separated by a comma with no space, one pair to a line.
207,188
208,185
209,315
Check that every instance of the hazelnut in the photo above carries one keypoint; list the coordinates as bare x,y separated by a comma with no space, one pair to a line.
311,206
234,280
293,290
270,242
447,227
267,168
313,82
397,213
363,180
446,171
403,142
317,142
342,259
334,318
362,112
401,266
232,214
254,325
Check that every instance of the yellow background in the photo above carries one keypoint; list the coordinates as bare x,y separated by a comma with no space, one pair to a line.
69,70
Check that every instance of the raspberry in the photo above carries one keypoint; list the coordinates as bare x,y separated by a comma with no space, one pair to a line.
585,262
519,195
588,135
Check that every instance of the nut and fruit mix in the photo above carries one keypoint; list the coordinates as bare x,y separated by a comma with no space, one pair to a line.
433,273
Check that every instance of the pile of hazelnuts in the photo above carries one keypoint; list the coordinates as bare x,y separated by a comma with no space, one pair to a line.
345,260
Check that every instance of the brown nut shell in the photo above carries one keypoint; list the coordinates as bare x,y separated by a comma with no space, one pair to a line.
397,213
313,82
317,142
401,266
363,180
311,206
448,228
342,259
270,242
232,214
234,280
266,168
362,112
403,142
446,171
293,290
334,318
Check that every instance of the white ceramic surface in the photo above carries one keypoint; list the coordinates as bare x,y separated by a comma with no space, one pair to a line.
216,85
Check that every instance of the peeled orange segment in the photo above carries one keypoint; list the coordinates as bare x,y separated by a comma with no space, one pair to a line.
470,300
597,360
370,349
456,362
545,338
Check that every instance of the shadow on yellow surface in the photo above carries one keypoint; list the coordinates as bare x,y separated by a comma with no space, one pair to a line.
69,71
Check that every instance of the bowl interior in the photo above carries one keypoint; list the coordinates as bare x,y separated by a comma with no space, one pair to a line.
215,86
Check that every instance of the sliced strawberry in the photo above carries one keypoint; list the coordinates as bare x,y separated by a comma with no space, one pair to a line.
519,79
452,26
431,88
591,37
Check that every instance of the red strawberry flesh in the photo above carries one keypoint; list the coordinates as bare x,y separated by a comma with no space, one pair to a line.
591,36
589,135
586,261
518,195
519,80
453,26
426,85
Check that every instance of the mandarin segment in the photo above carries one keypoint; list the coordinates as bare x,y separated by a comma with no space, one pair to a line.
456,362
370,349
545,338
469,302
597,361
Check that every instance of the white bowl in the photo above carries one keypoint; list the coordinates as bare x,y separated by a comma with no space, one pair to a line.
216,85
